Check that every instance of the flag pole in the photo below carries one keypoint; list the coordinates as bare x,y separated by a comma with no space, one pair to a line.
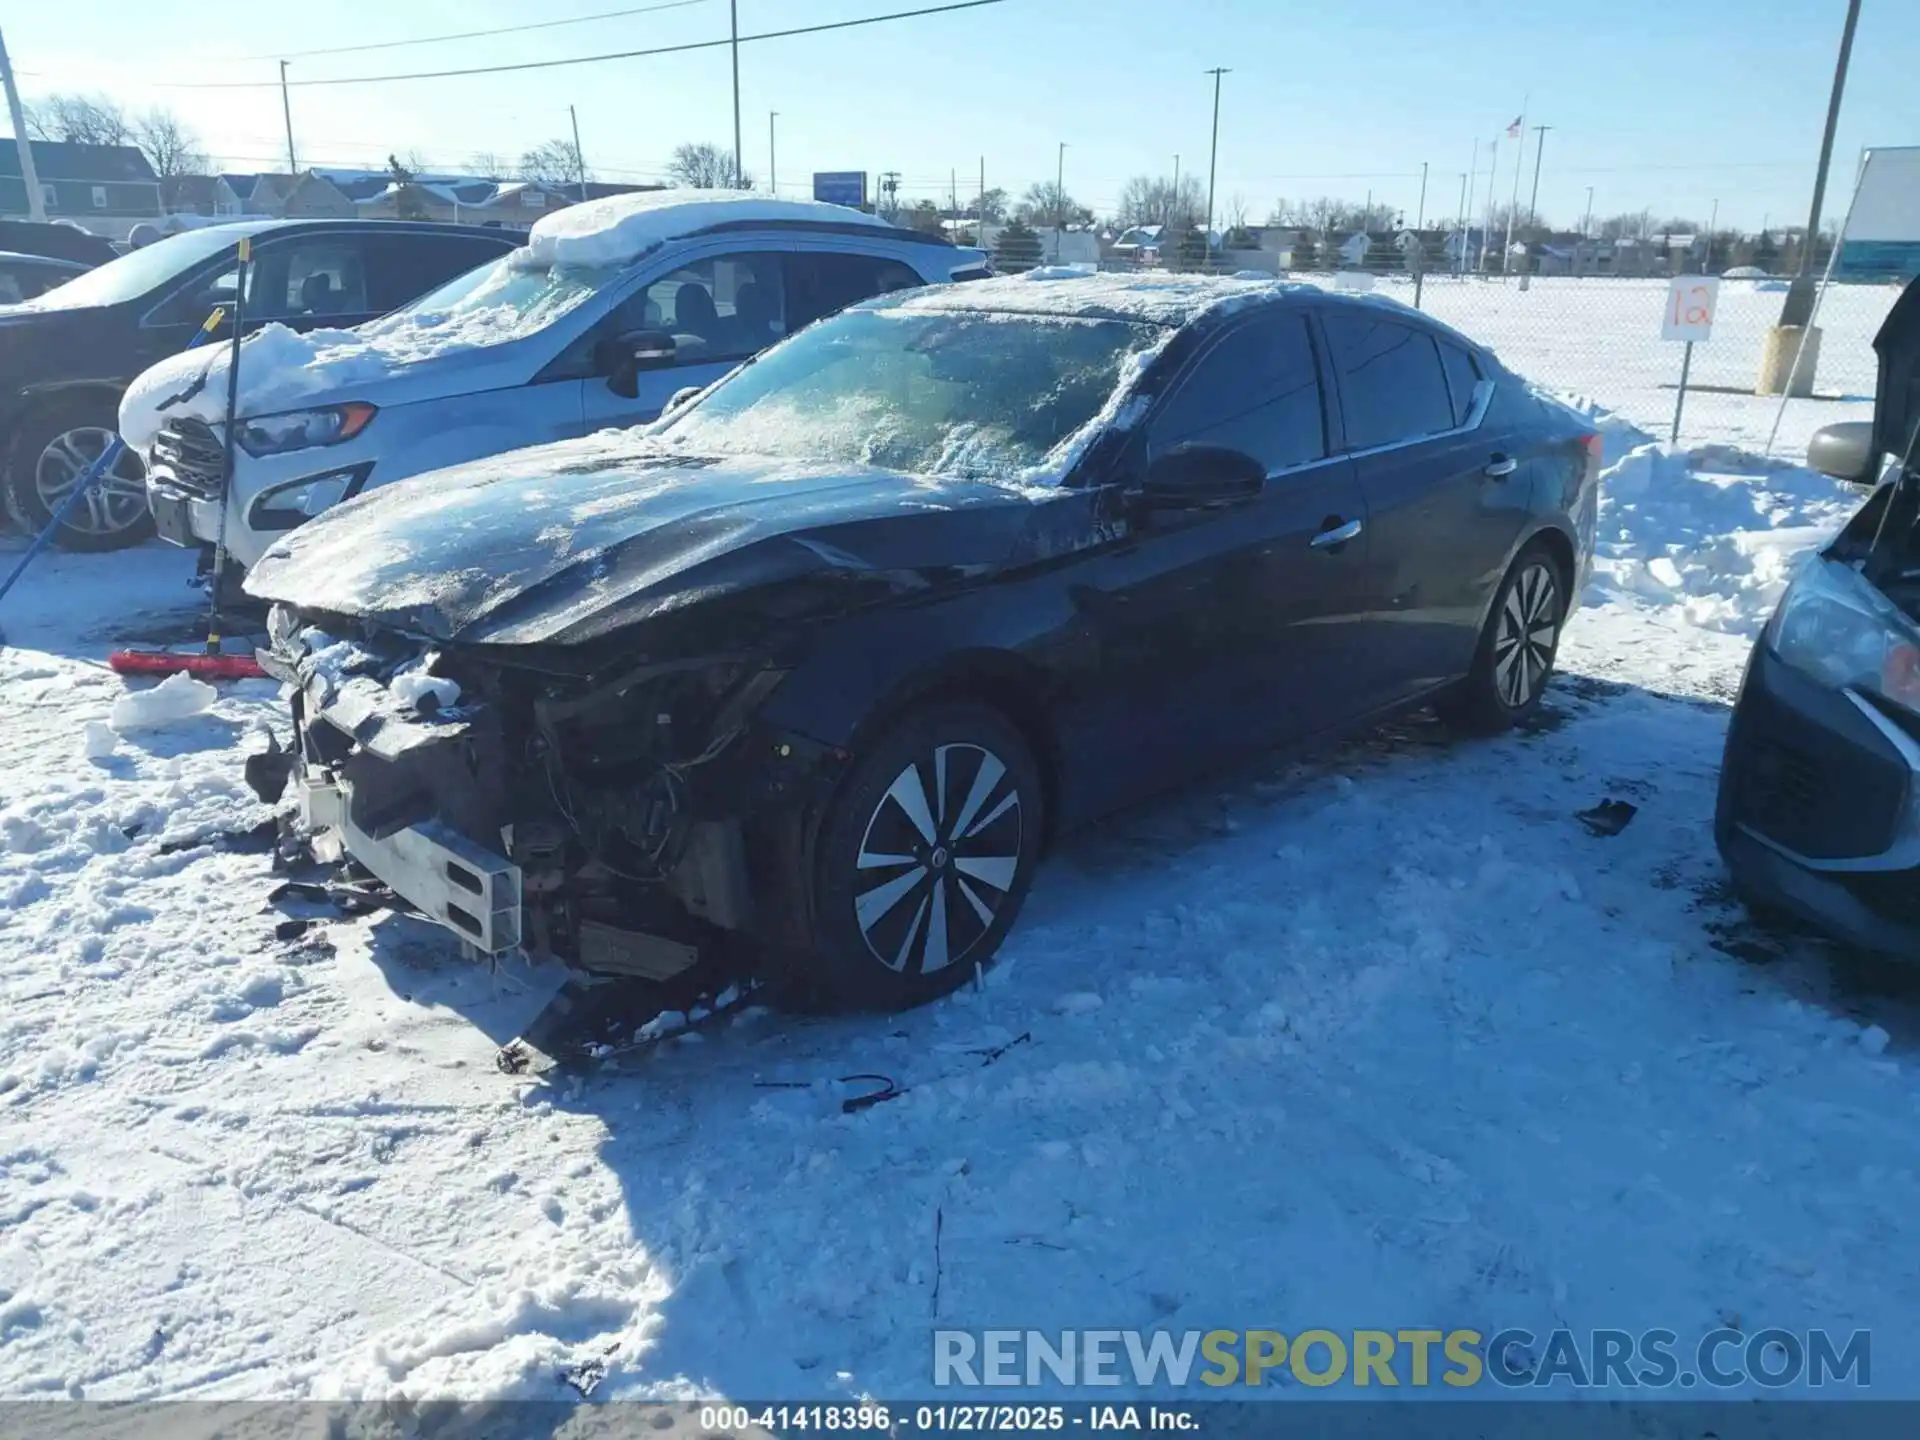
1506,259
1486,226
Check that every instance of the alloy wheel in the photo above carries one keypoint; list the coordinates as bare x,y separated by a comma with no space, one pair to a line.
938,860
115,502
1528,634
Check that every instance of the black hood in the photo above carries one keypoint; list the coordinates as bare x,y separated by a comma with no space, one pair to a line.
1896,402
567,543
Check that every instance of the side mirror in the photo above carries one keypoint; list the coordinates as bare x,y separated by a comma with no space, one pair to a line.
621,358
1191,476
1845,451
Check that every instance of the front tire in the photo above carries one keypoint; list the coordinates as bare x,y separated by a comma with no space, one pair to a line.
1517,649
52,447
925,857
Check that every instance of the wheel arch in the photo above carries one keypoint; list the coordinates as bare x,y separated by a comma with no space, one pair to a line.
1002,679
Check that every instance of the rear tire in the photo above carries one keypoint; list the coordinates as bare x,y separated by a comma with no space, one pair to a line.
52,446
1517,649
925,857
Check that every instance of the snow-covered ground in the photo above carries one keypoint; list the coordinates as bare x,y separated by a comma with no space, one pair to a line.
1384,1037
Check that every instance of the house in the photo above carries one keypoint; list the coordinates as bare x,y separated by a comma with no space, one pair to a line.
107,189
190,194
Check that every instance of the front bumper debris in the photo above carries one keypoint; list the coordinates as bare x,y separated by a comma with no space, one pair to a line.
435,869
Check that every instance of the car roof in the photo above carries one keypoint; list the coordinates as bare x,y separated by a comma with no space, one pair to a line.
1155,297
237,228
11,257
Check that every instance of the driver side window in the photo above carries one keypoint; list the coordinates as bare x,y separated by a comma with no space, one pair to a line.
1257,390
726,308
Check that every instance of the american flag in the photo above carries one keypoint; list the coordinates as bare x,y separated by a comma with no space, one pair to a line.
1513,130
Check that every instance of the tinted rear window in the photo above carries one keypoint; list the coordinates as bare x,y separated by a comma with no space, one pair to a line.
1392,386
1463,374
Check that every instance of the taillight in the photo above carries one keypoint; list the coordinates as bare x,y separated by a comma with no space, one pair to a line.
1596,448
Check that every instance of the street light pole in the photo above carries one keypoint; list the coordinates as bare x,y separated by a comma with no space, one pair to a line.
1420,215
1213,155
1539,149
1706,265
773,168
1798,309
733,7
1059,200
579,155
1587,224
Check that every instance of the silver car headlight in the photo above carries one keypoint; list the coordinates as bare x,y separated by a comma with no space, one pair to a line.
1837,629
303,429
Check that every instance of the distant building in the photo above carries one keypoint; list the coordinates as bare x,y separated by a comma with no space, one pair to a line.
107,189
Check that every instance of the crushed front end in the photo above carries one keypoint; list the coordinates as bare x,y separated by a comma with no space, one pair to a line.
624,814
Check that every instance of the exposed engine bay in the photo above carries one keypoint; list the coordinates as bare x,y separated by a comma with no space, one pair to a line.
612,823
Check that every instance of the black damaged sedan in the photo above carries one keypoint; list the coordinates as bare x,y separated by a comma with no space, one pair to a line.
1819,812
805,678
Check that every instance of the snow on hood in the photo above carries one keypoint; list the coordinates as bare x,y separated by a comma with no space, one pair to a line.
279,369
571,539
620,229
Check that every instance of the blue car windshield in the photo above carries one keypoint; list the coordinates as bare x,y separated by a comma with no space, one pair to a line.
974,394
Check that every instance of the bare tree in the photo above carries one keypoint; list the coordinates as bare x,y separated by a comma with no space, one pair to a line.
705,167
1236,211
991,206
79,120
1046,203
170,147
554,162
488,165
1155,200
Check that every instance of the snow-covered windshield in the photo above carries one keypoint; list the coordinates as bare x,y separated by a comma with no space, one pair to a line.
966,393
138,272
508,299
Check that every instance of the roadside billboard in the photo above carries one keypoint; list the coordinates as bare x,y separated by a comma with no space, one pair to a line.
1883,232
841,187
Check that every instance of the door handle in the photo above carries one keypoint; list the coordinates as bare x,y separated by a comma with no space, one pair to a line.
1338,535
1502,466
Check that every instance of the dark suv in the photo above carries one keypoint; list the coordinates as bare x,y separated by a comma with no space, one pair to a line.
67,356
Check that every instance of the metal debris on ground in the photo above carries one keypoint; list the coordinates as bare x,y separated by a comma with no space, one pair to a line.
1609,817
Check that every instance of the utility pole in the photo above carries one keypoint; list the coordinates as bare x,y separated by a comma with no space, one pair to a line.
1173,201
1798,309
29,177
733,9
1466,206
953,191
1586,225
980,209
1420,215
1706,266
286,113
773,168
1059,200
1213,154
1460,224
1539,148
579,155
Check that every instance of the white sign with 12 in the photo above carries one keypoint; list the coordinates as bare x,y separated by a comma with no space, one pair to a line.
1690,305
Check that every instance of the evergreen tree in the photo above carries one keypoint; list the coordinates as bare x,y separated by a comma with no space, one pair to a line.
1765,252
1018,248
1193,249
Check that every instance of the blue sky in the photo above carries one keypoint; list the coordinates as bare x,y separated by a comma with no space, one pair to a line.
1663,105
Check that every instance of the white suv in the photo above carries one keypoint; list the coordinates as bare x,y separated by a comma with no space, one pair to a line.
611,309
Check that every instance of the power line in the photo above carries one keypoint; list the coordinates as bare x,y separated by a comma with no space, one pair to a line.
480,34
581,59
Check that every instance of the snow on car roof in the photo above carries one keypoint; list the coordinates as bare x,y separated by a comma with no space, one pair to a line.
1159,299
619,229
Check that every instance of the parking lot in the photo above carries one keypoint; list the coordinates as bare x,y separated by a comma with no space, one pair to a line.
1381,1036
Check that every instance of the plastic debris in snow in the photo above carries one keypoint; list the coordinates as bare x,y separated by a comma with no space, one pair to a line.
178,697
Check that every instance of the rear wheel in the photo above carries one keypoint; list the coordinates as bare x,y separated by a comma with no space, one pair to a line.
1517,649
925,857
53,447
